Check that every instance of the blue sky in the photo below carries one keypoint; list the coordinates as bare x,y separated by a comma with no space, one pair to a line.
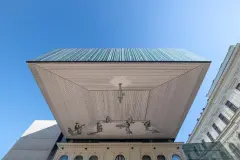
30,28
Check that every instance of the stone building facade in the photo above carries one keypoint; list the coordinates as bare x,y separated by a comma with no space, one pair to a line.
220,119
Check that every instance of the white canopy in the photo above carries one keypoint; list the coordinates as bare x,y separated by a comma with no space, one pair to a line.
88,92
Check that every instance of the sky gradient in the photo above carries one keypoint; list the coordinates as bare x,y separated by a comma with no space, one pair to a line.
30,28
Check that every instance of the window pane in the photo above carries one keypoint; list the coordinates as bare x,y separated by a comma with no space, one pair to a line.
78,158
238,87
210,136
146,157
93,158
161,157
223,118
64,157
120,157
216,128
231,106
176,157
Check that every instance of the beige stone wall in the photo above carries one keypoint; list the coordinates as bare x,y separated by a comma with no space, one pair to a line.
108,151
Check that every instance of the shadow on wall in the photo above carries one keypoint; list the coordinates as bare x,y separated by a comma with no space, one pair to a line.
37,143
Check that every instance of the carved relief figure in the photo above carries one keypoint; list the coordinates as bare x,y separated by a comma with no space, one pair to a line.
127,127
108,119
130,120
147,124
99,127
77,129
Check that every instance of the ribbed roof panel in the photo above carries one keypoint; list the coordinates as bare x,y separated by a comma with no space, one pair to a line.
118,55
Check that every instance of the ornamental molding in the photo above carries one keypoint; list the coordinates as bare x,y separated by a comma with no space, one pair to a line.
124,145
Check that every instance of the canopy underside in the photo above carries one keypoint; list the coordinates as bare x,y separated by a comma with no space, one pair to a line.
82,95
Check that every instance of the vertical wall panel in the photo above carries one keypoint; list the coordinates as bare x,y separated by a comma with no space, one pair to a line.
36,143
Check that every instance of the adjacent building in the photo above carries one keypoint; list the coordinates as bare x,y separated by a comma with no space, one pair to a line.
220,119
112,104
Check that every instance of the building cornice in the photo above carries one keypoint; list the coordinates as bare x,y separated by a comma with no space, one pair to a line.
222,69
95,145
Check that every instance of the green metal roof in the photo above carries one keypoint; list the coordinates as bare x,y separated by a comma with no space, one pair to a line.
118,55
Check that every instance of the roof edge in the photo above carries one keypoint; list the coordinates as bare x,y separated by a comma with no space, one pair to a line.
118,61
231,50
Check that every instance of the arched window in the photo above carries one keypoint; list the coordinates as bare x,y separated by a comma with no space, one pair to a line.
93,158
78,158
235,150
239,136
146,157
176,157
161,157
64,157
120,157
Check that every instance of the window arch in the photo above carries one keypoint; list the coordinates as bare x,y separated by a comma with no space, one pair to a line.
146,157
235,150
64,157
93,158
161,157
176,157
120,157
78,158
